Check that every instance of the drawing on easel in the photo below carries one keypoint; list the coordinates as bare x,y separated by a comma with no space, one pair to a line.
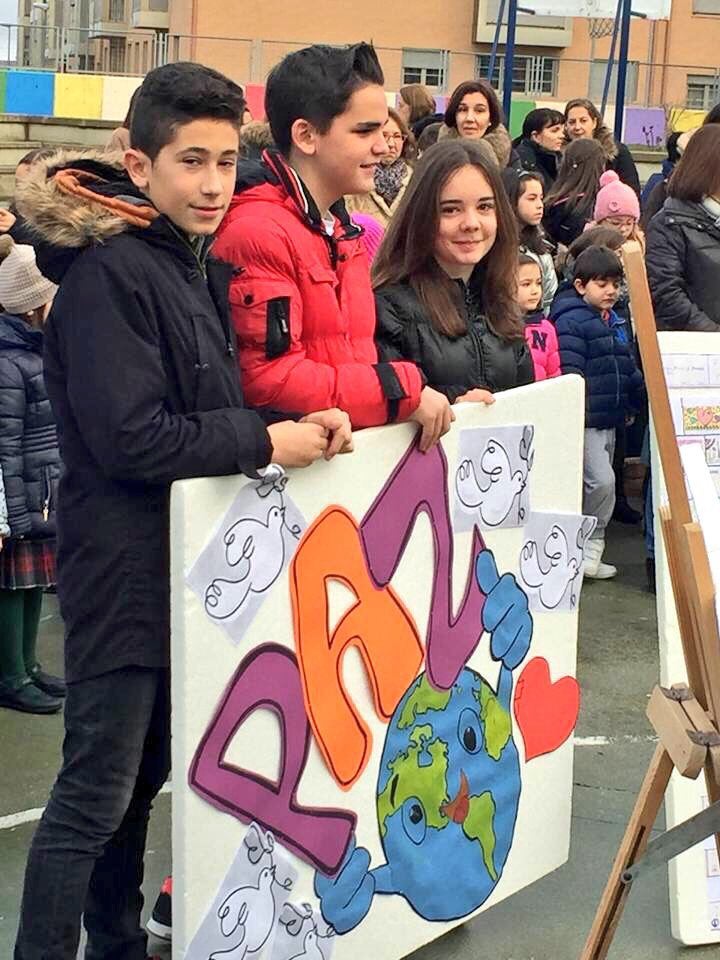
246,908
701,418
248,553
491,480
551,560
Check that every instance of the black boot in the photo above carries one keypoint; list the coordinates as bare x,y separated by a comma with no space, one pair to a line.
28,699
624,513
650,571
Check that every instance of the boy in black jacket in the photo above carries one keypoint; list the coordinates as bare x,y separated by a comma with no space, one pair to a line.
142,377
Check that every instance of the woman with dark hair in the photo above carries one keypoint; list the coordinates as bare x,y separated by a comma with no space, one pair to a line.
584,121
539,148
683,240
392,174
416,105
474,113
570,204
445,277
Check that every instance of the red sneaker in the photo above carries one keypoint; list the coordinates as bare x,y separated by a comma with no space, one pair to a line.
160,922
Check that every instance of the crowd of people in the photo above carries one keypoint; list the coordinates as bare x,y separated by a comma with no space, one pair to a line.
222,293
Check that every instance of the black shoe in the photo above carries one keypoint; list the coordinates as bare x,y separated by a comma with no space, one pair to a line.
28,699
624,513
160,923
53,686
650,571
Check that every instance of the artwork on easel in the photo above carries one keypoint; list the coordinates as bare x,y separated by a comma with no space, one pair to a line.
248,553
301,934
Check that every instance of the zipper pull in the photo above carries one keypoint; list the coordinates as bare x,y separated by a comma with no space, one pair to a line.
46,510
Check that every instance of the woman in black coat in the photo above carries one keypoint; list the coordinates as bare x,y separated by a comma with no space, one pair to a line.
683,241
583,120
570,205
30,464
445,278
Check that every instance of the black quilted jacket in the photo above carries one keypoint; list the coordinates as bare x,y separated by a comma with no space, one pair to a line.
29,456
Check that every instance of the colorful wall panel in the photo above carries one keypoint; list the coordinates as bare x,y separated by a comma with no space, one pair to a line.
29,92
79,96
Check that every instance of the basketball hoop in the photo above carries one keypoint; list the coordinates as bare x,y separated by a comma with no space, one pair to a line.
600,27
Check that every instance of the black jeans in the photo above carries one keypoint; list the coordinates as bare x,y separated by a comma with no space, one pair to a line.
87,853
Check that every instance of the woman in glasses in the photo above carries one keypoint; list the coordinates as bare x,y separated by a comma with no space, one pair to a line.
392,174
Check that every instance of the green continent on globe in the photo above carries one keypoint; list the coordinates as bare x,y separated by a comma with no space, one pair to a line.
496,720
408,778
479,826
423,698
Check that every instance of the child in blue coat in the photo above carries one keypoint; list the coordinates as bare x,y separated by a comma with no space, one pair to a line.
594,343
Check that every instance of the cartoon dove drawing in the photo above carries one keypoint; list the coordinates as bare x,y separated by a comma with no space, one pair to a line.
248,916
311,947
550,569
255,549
494,493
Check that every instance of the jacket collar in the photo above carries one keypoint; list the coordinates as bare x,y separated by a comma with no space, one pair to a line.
275,169
16,333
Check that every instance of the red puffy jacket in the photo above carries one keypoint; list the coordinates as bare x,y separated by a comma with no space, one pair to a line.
303,307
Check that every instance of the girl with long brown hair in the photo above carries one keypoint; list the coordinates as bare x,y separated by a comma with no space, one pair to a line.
570,204
445,277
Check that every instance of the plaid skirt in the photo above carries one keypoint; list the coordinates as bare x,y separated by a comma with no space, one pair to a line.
27,563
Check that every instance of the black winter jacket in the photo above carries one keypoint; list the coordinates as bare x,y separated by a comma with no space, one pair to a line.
624,166
452,365
683,267
142,376
29,456
564,223
536,159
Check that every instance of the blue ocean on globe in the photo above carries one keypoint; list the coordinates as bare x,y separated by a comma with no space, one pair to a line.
448,793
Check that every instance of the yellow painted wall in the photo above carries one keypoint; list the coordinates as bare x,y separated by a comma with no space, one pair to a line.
682,120
78,96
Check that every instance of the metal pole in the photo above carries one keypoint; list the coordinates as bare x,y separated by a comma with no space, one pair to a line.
622,67
510,58
496,41
611,58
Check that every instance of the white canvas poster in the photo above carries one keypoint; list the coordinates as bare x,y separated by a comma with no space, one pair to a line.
395,717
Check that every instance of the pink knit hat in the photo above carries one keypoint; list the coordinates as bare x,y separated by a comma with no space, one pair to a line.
615,199
373,233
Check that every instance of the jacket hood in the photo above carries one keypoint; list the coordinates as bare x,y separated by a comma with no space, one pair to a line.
77,198
16,334
273,180
498,139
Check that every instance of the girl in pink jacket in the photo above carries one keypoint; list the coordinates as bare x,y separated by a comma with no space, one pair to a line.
539,331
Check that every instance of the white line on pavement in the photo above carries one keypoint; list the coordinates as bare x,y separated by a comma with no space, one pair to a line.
30,816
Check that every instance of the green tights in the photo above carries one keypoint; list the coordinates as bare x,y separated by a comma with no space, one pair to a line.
19,622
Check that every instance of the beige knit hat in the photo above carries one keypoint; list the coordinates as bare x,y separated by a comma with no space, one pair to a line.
22,287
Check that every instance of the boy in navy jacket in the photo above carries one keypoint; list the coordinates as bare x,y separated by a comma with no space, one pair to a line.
595,344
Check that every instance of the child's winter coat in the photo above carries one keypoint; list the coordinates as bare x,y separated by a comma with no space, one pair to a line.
597,347
543,343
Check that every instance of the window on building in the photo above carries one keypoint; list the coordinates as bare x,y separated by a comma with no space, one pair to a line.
531,75
117,11
117,55
597,81
706,6
424,66
703,92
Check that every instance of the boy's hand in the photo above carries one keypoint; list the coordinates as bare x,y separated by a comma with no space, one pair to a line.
1,543
337,422
297,444
476,396
434,415
7,220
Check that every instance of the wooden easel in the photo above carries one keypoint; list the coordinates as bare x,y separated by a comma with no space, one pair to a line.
685,717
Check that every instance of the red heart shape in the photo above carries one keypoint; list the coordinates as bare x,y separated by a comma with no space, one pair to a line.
546,712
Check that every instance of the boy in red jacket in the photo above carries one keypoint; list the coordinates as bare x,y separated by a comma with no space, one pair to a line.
301,299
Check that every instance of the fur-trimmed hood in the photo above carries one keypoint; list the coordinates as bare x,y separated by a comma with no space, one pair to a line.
498,138
77,198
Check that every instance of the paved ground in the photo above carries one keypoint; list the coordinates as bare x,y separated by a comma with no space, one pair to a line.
548,921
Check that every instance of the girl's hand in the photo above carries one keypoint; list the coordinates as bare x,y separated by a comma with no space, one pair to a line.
7,220
477,396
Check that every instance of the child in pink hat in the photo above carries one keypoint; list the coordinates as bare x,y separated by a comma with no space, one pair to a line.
617,206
